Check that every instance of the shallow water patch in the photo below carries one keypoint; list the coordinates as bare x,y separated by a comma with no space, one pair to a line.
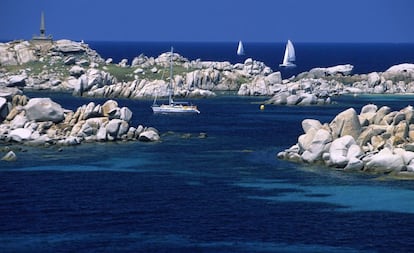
346,197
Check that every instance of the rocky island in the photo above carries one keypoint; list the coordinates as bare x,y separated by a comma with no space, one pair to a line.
70,66
375,140
43,122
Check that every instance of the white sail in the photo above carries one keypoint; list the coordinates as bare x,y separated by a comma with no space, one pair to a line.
240,49
289,56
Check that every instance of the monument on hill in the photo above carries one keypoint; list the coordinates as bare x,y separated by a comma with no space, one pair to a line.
42,37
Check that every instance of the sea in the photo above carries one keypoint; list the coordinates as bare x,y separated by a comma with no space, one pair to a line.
213,183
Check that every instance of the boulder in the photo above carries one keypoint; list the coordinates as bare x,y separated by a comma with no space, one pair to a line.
18,122
95,78
7,56
354,151
123,63
346,123
409,114
370,108
339,151
148,136
108,106
401,131
367,115
39,140
101,134
91,125
70,141
24,52
384,162
292,99
116,128
380,115
379,89
90,112
44,109
331,71
373,79
407,156
9,157
354,164
17,80
317,147
201,93
308,124
9,92
115,113
274,78
279,98
398,117
67,46
123,129
20,134
345,70
4,109
401,68
70,60
307,99
126,114
305,140
76,71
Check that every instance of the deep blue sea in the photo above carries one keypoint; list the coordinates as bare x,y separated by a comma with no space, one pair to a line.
224,193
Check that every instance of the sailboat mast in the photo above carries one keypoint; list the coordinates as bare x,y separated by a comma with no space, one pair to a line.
171,76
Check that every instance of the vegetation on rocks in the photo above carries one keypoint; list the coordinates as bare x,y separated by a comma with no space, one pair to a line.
65,65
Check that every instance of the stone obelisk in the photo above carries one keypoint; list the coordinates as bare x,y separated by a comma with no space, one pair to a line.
42,25
42,36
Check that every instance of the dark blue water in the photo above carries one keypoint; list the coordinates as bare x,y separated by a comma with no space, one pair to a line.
366,58
223,193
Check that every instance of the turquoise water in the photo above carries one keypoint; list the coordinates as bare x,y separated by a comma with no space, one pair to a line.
224,193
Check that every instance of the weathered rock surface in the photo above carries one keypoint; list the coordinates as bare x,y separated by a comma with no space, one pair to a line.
332,71
44,109
66,65
40,121
9,157
376,140
149,135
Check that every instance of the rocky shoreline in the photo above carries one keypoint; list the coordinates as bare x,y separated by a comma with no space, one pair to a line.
71,66
43,122
376,140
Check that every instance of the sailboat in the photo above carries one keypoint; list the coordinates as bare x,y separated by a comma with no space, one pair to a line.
289,56
172,106
240,49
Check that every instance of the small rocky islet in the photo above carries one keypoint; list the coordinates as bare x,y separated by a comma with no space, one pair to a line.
43,122
376,140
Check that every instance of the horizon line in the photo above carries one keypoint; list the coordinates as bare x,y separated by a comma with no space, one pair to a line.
221,41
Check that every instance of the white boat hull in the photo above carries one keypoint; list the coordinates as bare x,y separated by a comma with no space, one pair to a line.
287,65
171,109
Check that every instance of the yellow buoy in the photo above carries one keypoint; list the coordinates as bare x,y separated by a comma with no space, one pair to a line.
261,107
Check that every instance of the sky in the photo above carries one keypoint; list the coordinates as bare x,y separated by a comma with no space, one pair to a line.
212,20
